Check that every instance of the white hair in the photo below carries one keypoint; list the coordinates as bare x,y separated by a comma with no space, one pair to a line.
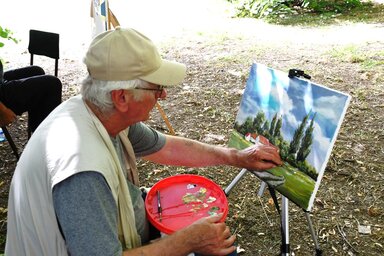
98,92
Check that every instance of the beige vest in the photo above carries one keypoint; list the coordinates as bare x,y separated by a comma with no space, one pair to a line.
115,176
69,141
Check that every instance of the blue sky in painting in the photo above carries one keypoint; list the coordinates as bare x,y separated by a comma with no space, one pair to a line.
272,92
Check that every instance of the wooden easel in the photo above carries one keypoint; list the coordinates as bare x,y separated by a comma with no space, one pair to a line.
112,21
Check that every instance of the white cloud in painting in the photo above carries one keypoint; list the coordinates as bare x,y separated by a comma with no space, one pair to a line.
322,107
320,147
285,109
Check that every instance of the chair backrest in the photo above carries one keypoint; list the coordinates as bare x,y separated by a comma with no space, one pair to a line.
46,44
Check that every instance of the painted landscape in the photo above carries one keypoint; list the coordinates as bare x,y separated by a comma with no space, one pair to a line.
299,117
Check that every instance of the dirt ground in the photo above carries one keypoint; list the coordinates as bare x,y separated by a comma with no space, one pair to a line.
204,107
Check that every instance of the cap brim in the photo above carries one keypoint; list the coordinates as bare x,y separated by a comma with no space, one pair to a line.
170,73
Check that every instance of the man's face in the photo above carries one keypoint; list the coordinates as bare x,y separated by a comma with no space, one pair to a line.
139,109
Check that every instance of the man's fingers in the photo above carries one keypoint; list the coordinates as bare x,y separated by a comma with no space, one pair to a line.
227,232
269,154
228,246
215,218
230,240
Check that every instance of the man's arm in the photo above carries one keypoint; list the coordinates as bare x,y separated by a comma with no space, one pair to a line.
86,213
185,152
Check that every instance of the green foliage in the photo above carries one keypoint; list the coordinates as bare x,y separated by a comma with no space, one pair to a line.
368,12
337,6
260,8
275,9
6,34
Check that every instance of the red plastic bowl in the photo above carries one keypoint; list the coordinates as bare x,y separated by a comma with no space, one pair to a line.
184,199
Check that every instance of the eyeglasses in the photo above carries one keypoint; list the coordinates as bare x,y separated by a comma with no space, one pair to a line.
158,91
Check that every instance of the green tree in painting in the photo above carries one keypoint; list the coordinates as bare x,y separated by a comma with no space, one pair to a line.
284,149
294,152
265,130
259,122
237,126
276,137
295,143
247,126
306,142
277,131
273,125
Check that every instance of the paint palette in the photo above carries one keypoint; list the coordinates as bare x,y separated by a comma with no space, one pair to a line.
177,201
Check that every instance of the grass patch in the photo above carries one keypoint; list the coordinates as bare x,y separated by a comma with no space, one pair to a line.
238,55
368,60
349,53
374,61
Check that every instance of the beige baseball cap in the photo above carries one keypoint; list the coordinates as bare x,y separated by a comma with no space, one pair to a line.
126,54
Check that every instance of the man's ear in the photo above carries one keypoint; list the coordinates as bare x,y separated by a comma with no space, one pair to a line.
120,100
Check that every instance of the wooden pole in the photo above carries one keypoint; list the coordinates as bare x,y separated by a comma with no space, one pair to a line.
162,113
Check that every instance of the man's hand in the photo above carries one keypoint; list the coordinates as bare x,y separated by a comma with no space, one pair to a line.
6,115
205,236
262,156
209,237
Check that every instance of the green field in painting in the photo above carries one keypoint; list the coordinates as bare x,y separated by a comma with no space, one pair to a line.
298,186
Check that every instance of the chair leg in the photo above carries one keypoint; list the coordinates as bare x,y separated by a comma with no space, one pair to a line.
10,141
56,67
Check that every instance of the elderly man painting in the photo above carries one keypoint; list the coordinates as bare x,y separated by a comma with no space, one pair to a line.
75,190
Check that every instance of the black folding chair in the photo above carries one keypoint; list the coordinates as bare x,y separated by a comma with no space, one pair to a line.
40,43
46,44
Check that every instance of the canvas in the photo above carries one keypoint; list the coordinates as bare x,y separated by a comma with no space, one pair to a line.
301,118
99,12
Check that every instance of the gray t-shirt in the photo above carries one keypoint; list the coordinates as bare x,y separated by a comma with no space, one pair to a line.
85,207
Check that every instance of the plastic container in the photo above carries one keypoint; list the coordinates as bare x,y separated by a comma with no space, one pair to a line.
2,136
177,201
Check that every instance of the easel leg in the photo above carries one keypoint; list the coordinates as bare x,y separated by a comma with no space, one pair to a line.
319,252
285,246
262,188
285,250
234,181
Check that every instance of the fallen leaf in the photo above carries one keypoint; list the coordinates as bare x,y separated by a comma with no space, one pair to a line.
239,249
373,211
366,230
